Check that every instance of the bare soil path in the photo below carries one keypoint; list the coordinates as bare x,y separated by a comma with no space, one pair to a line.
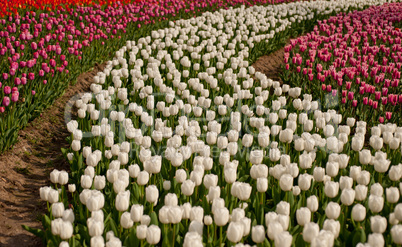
270,64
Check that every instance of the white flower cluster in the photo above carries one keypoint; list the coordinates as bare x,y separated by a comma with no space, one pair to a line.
190,90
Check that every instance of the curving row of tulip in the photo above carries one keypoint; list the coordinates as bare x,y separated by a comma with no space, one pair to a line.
42,52
181,142
357,58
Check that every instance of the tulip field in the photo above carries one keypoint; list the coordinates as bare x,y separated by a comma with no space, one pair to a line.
181,142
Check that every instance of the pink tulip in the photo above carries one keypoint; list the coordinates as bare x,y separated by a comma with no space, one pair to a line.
377,95
34,46
7,90
343,101
381,119
6,101
14,97
348,85
17,81
365,101
384,91
388,115
350,95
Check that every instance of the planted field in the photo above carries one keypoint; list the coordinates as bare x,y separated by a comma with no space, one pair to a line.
181,141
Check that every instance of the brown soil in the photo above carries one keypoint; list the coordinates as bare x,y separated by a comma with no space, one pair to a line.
26,167
270,64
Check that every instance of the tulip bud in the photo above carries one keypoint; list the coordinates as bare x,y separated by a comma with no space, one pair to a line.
331,189
192,239
376,203
258,234
347,196
136,212
141,232
283,208
310,231
392,194
66,230
376,239
332,226
221,216
303,216
286,182
71,188
396,233
208,220
262,185
304,181
125,220
97,241
378,224
333,210
187,187
153,234
312,203
152,194
123,201
398,212
274,228
235,231
318,174
358,212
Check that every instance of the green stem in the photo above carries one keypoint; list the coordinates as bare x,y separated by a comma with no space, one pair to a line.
174,231
220,236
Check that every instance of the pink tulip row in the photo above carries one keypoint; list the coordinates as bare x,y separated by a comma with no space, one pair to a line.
35,46
357,57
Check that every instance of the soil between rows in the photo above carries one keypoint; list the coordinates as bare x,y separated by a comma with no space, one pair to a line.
26,167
